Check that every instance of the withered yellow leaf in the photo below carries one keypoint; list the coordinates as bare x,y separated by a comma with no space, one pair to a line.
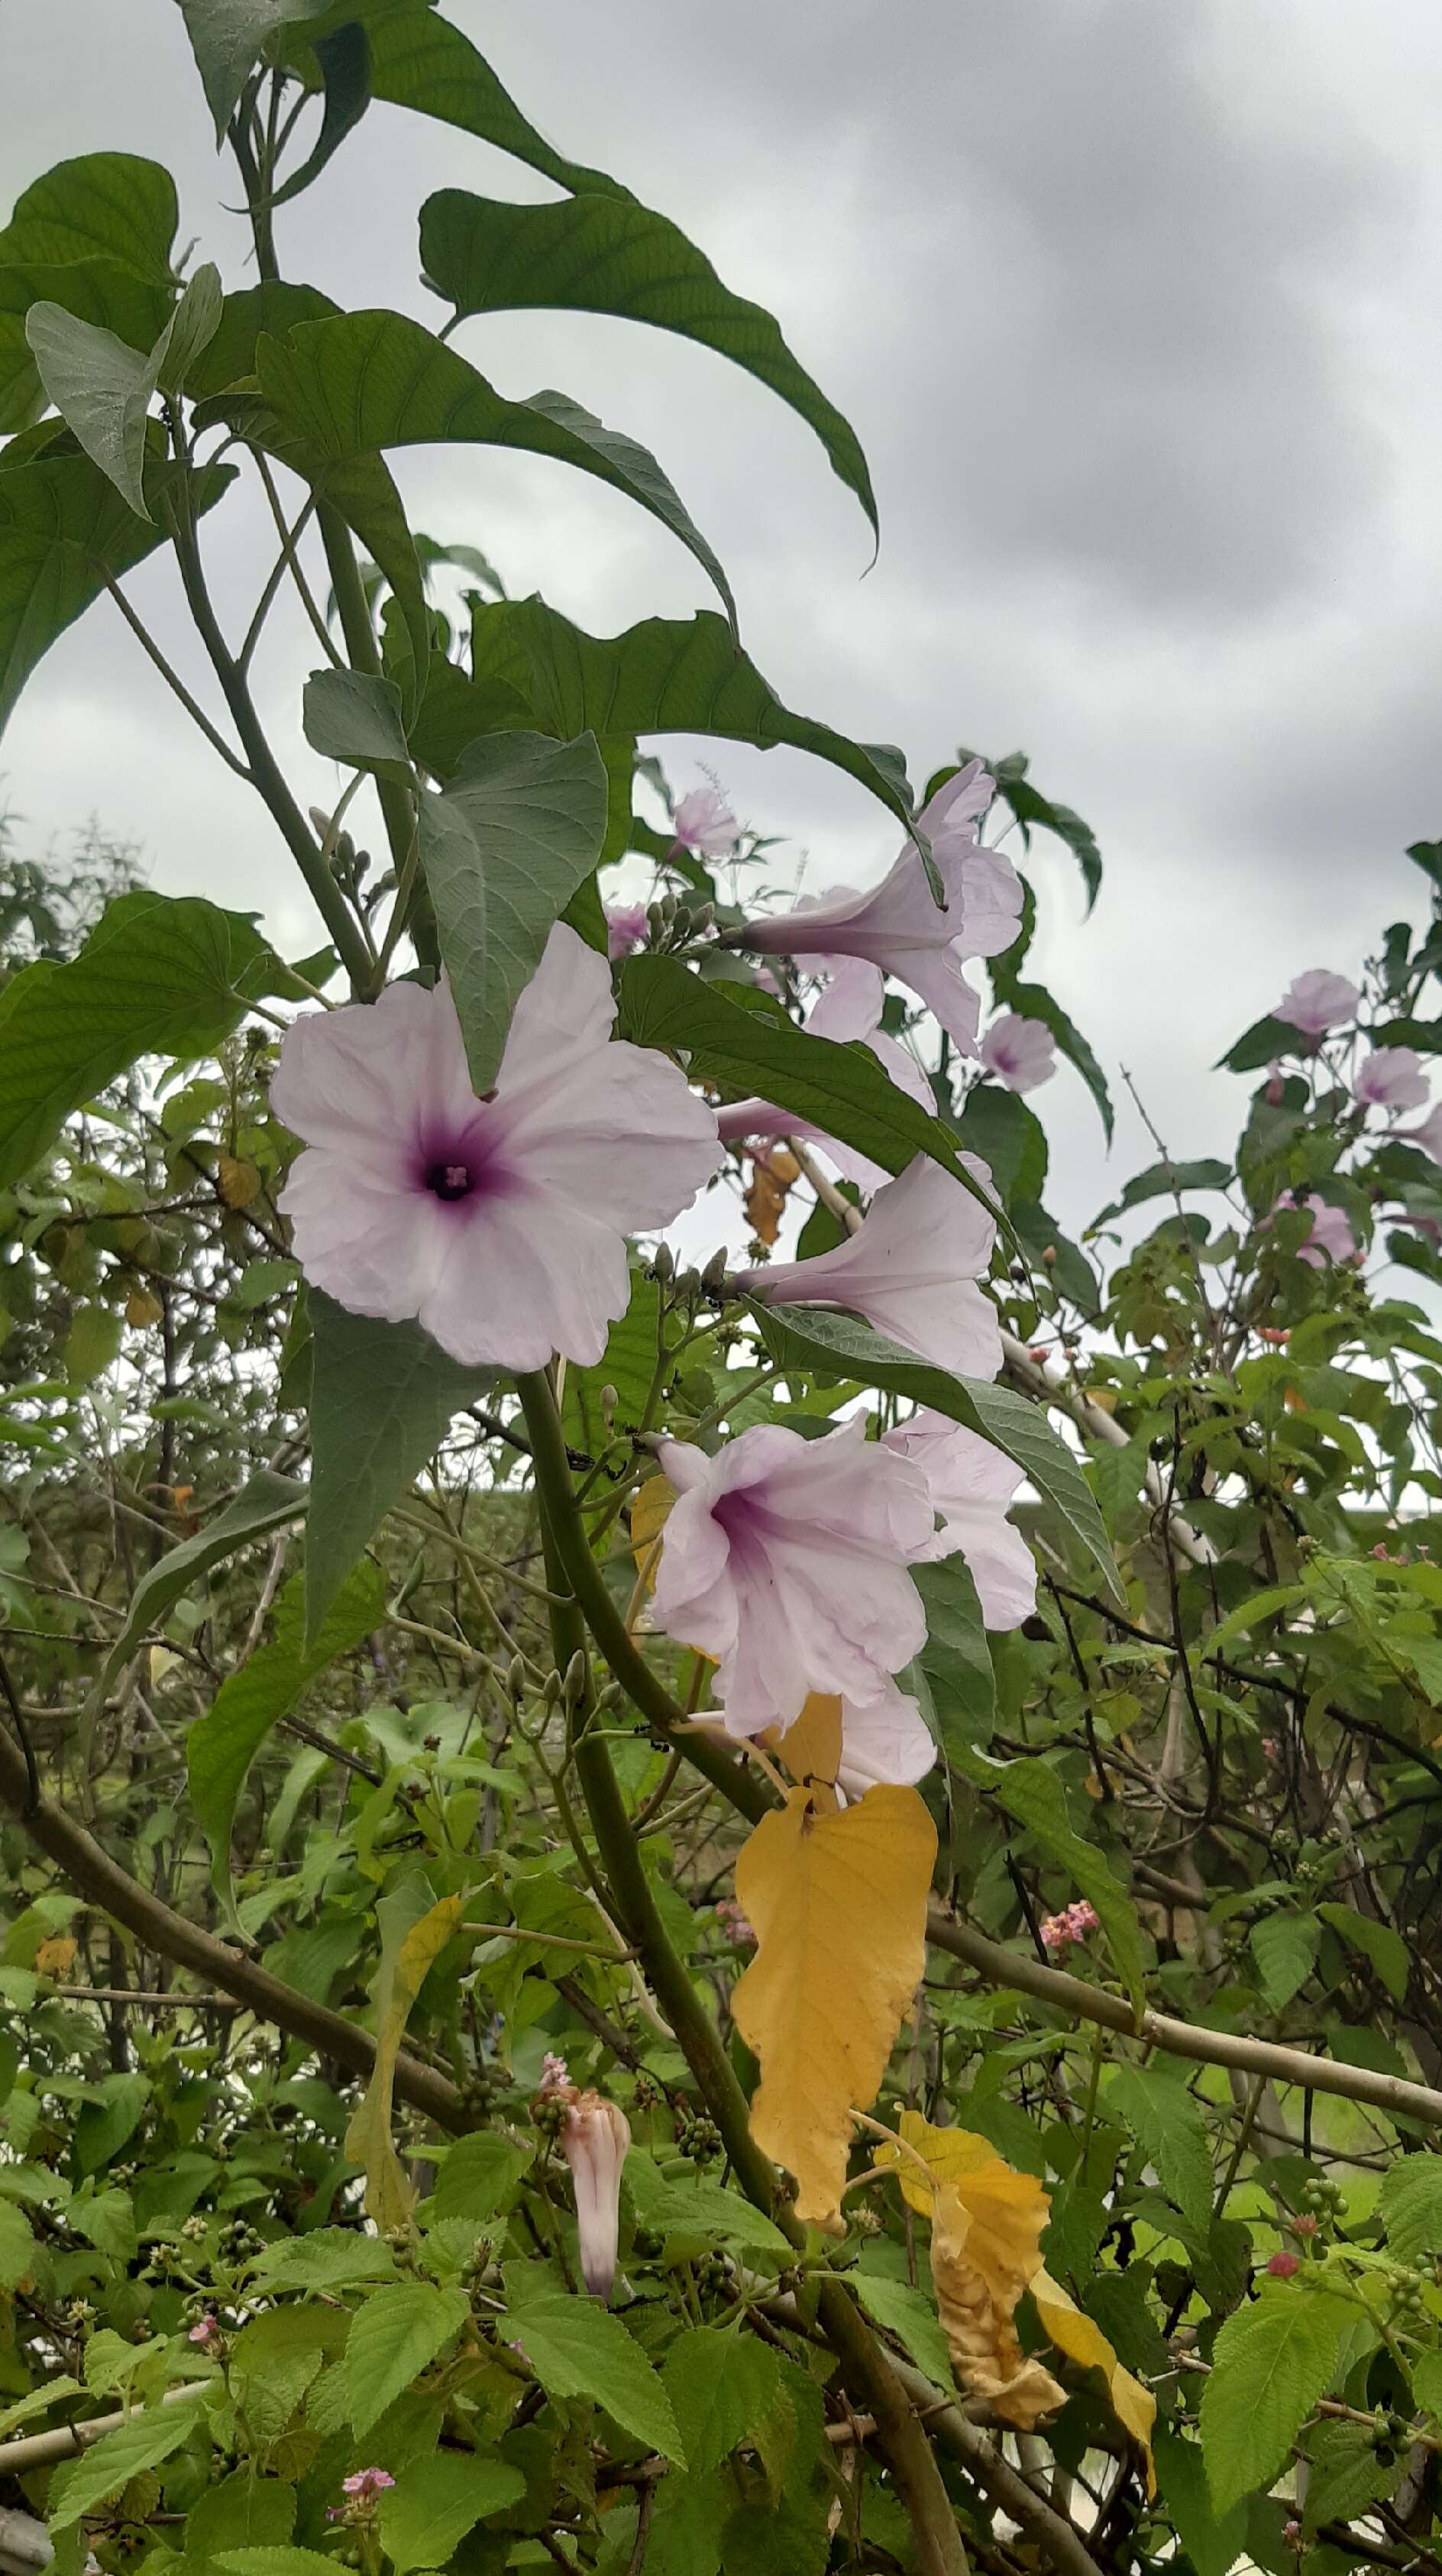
811,1745
389,2197
1073,2333
986,2228
838,1903
650,1512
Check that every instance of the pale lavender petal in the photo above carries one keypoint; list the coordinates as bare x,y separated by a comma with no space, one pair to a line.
971,1484
1318,1001
377,1249
909,1270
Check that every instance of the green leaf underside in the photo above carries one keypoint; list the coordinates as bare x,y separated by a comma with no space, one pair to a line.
743,1043
816,1337
515,834
604,254
102,389
382,1397
227,38
355,383
159,975
63,529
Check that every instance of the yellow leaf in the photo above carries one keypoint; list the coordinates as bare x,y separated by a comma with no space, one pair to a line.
54,1957
811,1745
839,1907
238,1182
986,2227
390,2197
1073,2333
649,1514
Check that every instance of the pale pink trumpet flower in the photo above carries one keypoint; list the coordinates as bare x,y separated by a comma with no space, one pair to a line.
499,1224
704,823
1020,1052
788,1562
899,929
971,1485
1391,1078
910,1270
1318,1001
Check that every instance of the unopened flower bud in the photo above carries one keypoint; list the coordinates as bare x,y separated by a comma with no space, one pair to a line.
594,2143
551,1689
573,1687
516,1677
655,919
702,919
713,1277
664,1265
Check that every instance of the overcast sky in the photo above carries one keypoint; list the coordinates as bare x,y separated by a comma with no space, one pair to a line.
1135,308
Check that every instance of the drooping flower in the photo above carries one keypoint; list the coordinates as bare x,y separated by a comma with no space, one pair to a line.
842,1014
1020,1052
1318,1001
899,929
910,1270
594,2143
1331,1238
703,822
626,928
971,1485
1391,1078
787,1561
498,1224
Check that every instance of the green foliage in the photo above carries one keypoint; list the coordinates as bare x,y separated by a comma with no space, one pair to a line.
1272,2362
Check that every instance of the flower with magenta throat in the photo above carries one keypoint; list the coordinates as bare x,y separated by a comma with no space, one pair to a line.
899,929
1020,1052
627,925
498,1224
1331,1238
909,1270
788,1562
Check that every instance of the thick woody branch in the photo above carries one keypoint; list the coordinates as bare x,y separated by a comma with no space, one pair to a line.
105,1885
1393,2094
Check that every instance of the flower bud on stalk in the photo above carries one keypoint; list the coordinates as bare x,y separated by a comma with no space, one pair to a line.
594,2143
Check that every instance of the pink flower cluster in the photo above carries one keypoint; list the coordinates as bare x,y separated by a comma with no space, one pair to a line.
736,1925
362,2490
1060,1931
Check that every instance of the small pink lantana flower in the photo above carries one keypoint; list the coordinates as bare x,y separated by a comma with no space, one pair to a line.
1331,1238
204,2331
971,1485
1074,1922
788,1562
910,1270
1318,1001
626,928
365,2485
899,929
554,2072
704,822
594,2142
1020,1052
499,1224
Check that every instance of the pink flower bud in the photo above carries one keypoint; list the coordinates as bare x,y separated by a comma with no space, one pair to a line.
1304,2226
594,2143
1283,2265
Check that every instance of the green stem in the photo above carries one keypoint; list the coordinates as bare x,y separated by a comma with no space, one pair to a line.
903,2441
397,811
573,1550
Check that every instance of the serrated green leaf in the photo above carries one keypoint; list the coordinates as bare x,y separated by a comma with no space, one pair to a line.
393,2339
604,254
911,2316
477,2175
1346,2474
437,2500
813,1337
1272,2361
1285,1949
17,2245
1213,2542
382,1397
1411,2208
504,848
1166,2122
577,2349
721,2386
149,2437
